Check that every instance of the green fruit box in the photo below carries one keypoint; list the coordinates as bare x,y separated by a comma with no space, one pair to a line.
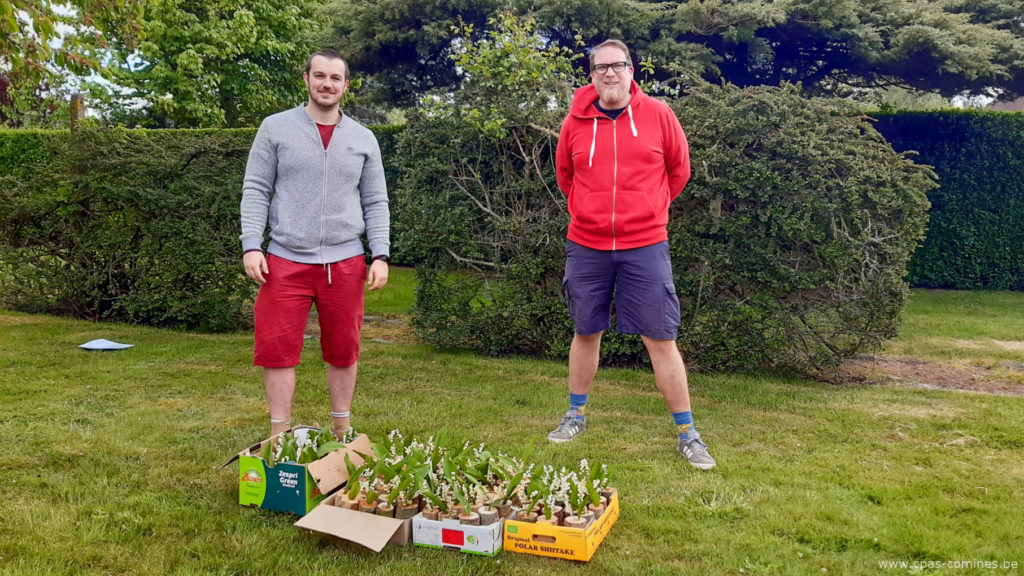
292,487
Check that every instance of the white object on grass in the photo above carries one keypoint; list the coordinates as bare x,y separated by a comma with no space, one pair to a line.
103,344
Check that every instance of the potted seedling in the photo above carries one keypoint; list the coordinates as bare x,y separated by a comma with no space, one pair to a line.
368,497
467,516
399,483
408,501
549,511
435,505
368,494
484,500
597,481
450,472
557,491
385,473
538,492
302,446
576,503
413,476
529,513
434,489
349,497
513,477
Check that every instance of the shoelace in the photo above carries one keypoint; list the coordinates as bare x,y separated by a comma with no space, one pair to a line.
568,420
698,446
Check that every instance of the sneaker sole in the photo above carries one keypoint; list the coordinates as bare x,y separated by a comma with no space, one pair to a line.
697,466
702,466
559,440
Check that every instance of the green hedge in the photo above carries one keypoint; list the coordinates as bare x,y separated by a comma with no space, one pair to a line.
974,237
128,225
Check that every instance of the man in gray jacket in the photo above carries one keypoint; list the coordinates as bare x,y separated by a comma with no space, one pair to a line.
317,176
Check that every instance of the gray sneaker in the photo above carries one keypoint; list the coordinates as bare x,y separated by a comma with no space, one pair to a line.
568,428
696,451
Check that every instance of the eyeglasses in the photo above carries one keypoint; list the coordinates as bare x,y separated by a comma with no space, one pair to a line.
616,66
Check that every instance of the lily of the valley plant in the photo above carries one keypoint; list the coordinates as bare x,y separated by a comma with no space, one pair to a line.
303,445
469,483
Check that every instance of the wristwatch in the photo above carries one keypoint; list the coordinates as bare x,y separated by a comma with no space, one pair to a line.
383,257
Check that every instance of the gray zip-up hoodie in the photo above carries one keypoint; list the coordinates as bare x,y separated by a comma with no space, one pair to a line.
319,201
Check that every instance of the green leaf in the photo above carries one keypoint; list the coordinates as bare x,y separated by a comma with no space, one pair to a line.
512,484
328,447
353,487
268,453
435,500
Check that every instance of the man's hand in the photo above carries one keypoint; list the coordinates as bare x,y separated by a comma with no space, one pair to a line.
378,276
256,266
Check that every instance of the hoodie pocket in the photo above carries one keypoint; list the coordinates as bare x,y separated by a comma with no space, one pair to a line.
636,211
593,209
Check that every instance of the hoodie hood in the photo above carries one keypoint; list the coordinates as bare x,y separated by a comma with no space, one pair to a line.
583,100
583,108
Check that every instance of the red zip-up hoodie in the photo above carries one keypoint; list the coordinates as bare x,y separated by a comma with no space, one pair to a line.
620,175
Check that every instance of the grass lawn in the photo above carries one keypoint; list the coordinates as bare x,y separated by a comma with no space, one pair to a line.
111,461
982,329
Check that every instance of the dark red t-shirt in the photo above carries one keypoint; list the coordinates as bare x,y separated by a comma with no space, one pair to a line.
326,131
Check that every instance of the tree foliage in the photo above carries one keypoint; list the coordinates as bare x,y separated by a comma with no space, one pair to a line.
833,47
211,63
789,245
837,47
487,201
405,46
36,55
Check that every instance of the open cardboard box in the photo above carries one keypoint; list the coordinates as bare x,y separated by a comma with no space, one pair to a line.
561,541
291,487
369,530
450,533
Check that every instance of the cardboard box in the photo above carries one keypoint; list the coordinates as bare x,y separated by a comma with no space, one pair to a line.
369,530
560,541
291,487
450,533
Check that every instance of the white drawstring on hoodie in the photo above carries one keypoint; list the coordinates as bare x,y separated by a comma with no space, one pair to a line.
593,140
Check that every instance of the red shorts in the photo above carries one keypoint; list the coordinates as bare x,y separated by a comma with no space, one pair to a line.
283,303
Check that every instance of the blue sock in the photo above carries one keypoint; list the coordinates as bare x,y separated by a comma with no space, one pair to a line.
684,424
577,403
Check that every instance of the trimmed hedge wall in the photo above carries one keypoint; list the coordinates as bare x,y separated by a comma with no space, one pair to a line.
974,237
127,225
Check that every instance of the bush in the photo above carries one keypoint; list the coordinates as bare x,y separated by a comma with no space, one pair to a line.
485,204
132,226
127,225
974,239
791,242
789,246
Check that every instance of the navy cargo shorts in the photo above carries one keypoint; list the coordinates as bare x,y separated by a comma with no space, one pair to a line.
640,280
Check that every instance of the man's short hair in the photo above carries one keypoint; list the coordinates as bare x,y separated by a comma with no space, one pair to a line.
328,53
611,42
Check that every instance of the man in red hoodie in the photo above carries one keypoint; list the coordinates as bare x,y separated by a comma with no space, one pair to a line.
622,158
